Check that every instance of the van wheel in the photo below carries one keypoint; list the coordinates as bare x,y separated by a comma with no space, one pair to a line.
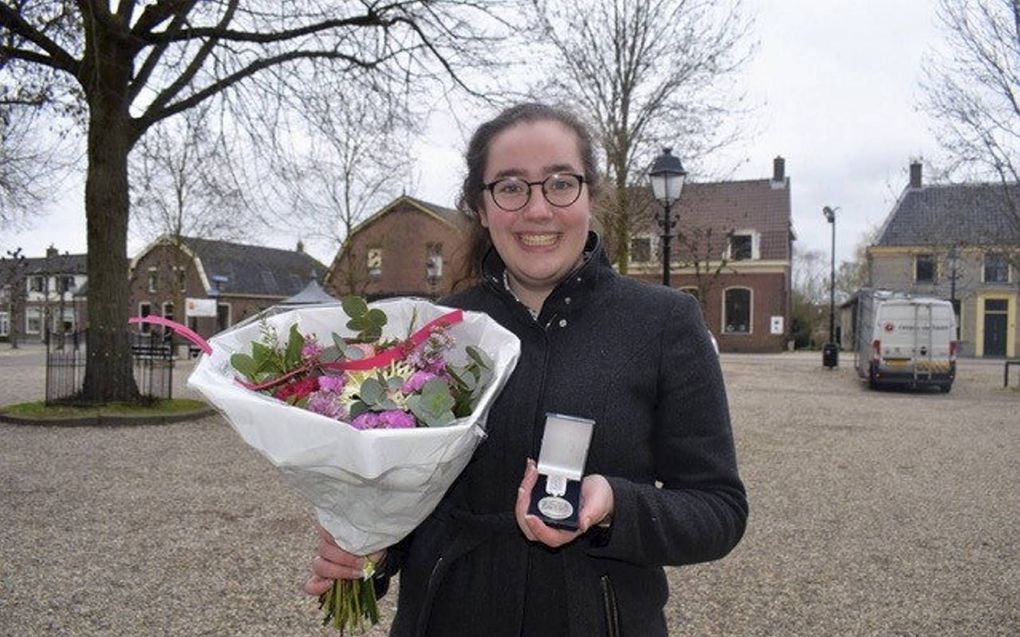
945,388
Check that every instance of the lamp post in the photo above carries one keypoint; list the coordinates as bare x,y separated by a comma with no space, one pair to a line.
667,180
830,353
954,261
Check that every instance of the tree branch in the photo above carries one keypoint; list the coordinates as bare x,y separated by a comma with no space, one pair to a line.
152,116
58,58
154,56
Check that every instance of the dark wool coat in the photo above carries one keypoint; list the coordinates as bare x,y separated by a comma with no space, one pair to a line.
637,359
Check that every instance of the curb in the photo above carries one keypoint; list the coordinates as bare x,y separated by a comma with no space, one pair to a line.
107,421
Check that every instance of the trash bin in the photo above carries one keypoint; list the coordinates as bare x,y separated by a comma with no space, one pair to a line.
830,355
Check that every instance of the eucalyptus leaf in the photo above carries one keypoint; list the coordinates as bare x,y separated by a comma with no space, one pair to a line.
352,353
353,305
358,408
376,316
479,357
372,391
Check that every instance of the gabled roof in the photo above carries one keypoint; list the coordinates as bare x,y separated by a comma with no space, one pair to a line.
249,270
449,216
968,214
762,205
57,264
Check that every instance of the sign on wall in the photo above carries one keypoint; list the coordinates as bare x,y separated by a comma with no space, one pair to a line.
200,307
776,326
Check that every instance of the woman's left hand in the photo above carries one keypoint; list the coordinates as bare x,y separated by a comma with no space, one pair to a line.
596,506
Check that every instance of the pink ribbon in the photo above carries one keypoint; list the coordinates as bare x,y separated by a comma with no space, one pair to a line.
397,352
183,330
379,360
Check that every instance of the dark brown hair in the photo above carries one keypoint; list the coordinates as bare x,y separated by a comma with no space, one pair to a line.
471,192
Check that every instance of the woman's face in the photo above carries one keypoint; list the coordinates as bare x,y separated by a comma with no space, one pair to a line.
540,243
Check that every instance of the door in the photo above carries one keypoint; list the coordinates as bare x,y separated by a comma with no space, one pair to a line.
995,327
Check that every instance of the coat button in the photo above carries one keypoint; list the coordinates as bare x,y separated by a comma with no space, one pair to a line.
563,322
567,300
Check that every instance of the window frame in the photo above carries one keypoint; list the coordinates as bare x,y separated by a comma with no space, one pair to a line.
651,249
1004,265
755,239
930,257
750,312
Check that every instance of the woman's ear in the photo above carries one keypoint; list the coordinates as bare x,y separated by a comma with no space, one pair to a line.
483,217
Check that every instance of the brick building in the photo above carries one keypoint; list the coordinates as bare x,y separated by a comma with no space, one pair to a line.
210,285
740,231
409,247
732,248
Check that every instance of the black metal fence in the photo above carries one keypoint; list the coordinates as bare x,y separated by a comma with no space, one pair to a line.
152,360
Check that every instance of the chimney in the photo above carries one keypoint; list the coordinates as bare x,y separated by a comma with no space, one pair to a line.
779,169
300,246
915,173
52,252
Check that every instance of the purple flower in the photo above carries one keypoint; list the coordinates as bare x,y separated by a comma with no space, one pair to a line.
334,384
311,348
416,382
396,419
367,420
327,404
393,419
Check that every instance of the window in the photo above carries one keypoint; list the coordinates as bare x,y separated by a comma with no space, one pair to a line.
737,311
152,280
144,309
36,283
374,262
66,283
168,313
924,268
996,269
181,276
741,247
5,324
33,320
433,262
222,316
641,250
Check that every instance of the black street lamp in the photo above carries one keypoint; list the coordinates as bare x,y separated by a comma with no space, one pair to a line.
667,179
830,352
954,261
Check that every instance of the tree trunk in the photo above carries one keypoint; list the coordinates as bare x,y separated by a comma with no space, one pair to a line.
108,372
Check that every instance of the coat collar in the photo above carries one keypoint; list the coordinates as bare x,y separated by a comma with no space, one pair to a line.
570,294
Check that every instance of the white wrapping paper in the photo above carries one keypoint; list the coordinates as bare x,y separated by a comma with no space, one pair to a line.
369,488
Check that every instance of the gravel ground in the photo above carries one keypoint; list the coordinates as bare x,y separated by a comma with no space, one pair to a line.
886,513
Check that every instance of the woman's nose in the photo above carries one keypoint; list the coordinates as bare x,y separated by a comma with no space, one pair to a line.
537,207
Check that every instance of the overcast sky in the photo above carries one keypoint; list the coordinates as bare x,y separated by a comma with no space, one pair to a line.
836,83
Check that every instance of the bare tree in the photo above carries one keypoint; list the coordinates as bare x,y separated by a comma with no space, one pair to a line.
810,295
125,66
647,73
972,93
702,249
355,161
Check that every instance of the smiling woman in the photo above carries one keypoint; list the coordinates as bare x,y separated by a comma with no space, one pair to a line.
630,357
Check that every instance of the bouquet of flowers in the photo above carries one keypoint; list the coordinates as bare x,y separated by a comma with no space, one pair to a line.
370,416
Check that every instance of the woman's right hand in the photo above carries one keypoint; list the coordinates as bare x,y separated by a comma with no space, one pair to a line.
332,563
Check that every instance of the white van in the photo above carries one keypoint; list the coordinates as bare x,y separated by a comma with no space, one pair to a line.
905,340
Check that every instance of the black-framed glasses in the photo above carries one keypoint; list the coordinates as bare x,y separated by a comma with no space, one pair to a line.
513,193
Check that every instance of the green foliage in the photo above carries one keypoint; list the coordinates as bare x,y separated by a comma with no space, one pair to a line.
268,360
367,322
434,405
470,381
